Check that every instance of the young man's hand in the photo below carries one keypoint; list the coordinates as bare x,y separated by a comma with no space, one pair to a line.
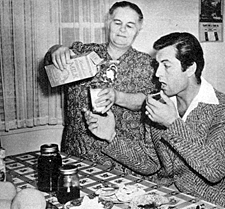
162,110
101,126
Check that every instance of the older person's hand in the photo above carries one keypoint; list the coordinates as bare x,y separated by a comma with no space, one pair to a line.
107,97
101,126
61,56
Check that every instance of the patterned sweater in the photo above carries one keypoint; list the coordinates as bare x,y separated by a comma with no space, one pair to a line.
190,154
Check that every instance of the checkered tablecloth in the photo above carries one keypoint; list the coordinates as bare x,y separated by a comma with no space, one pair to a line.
22,169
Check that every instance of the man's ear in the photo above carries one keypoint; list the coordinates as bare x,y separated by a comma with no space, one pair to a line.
191,70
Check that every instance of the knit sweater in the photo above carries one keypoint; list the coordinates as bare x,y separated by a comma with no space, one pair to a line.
190,154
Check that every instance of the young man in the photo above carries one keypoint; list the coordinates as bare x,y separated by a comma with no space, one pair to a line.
184,142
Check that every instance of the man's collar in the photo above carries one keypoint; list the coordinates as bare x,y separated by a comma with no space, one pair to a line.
206,95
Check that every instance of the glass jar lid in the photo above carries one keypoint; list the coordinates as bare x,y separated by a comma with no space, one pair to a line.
49,148
68,169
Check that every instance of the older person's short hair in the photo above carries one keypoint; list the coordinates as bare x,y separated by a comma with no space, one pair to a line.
188,48
127,4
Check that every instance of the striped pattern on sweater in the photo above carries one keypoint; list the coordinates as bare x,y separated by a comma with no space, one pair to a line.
192,153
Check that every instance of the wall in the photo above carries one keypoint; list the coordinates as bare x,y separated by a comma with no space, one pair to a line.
161,17
30,139
165,16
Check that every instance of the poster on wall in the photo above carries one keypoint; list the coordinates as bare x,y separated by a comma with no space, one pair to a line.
211,21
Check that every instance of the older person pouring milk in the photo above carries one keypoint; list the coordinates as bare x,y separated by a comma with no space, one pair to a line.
125,94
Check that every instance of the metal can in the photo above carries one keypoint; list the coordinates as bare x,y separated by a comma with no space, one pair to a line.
68,184
49,163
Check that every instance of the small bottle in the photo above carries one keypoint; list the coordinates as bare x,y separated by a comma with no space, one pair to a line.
2,165
68,184
49,163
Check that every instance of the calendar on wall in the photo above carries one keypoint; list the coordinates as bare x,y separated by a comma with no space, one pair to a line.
211,21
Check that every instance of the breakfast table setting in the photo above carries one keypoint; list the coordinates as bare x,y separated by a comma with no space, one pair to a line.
101,187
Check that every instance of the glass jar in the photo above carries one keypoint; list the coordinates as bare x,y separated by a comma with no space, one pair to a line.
49,163
68,184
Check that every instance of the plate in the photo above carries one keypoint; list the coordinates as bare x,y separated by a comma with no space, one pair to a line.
76,203
88,203
127,193
106,191
151,200
122,194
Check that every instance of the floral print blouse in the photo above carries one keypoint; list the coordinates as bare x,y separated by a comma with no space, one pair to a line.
134,74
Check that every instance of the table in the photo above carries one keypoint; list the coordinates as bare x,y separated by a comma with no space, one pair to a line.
22,169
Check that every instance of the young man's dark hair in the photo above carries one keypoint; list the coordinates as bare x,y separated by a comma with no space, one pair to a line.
189,50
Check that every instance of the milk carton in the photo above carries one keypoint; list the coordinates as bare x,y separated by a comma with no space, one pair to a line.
81,67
